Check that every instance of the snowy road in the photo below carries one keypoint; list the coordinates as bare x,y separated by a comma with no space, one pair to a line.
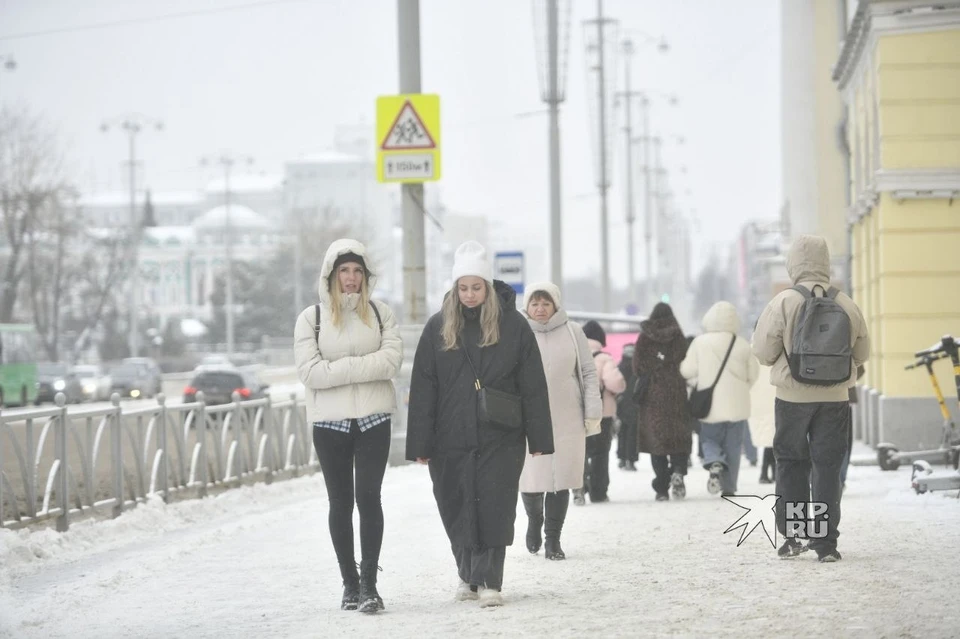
258,562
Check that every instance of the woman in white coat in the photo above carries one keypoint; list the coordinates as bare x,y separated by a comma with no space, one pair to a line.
722,430
575,410
347,350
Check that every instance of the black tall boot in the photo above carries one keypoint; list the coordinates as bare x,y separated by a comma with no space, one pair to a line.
555,513
370,600
533,504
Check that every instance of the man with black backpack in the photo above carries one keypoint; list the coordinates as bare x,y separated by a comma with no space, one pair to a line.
814,338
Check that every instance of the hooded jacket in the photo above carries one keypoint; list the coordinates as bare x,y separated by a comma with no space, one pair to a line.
662,425
574,403
731,396
349,373
475,468
808,264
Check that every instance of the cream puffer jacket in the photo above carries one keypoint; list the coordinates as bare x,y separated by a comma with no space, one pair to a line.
731,396
349,373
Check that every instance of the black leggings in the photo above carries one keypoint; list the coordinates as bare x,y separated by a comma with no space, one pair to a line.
337,452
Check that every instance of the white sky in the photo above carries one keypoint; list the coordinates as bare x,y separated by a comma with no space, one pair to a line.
275,81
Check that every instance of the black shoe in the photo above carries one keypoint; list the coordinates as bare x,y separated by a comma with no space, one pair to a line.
663,497
552,549
622,463
631,466
766,480
351,597
370,600
679,488
599,499
829,557
791,548
351,586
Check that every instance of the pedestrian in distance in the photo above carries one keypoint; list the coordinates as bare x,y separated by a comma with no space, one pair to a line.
612,385
575,412
663,425
347,350
814,337
627,414
721,359
478,402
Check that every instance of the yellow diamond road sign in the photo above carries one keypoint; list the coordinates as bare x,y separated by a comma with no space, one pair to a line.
408,138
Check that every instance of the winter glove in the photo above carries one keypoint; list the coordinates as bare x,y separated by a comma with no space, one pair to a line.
592,426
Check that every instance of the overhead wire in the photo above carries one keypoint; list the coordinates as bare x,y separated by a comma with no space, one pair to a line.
145,20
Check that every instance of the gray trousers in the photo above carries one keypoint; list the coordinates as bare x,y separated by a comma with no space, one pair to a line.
722,442
481,567
810,443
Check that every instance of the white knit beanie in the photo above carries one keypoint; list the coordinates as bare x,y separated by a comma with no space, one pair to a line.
545,287
471,259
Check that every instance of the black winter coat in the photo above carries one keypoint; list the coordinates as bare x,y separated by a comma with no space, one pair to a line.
476,469
663,424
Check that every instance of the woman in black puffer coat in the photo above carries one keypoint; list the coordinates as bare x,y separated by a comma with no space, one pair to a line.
476,468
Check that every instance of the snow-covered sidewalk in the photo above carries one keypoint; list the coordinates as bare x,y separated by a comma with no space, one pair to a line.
258,562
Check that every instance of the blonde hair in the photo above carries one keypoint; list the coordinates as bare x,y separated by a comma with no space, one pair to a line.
453,319
363,306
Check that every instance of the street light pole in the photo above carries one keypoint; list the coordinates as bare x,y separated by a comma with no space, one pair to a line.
604,183
553,100
551,61
227,162
414,243
133,125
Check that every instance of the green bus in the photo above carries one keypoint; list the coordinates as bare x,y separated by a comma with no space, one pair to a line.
19,346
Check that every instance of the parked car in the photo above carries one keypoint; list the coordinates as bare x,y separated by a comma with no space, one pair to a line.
133,380
218,386
53,378
94,381
153,372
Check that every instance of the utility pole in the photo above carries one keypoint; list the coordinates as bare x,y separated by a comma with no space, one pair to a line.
414,247
628,96
647,207
656,205
132,125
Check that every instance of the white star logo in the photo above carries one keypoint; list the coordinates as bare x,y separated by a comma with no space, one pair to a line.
760,512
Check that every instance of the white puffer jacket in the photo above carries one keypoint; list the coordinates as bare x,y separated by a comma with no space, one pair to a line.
731,397
349,375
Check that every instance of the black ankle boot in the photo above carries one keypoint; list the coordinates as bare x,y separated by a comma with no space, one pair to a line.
351,586
370,600
533,504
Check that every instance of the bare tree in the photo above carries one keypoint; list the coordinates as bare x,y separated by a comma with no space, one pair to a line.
30,176
72,273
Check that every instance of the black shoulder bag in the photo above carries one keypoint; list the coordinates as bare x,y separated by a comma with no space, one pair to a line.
496,408
702,399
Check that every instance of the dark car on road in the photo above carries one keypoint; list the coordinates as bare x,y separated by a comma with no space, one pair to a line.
133,380
53,378
218,386
151,370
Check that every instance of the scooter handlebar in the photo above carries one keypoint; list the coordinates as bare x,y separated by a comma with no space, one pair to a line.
947,343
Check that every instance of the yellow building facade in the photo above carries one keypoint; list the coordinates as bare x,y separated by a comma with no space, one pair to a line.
899,74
